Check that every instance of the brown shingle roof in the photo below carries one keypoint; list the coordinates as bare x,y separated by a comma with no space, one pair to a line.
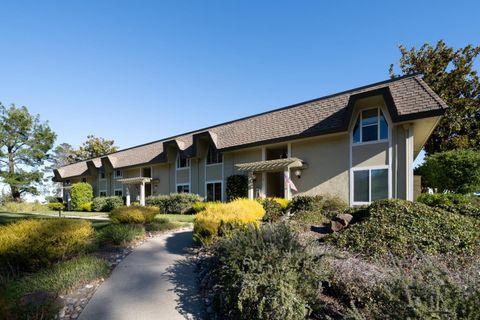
407,97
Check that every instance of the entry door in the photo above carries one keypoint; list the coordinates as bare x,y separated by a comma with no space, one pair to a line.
148,189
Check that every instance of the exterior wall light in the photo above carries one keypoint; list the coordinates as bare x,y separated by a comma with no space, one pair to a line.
298,173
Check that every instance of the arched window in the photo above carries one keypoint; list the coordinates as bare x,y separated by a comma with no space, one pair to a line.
371,125
213,155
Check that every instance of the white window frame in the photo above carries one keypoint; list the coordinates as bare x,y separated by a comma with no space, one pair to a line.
183,184
359,118
118,189
213,182
214,163
100,193
118,176
369,169
178,163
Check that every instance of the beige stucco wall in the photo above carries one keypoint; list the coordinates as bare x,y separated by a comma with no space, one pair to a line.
183,175
328,164
213,172
375,154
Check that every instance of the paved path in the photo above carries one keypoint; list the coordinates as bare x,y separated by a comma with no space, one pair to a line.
155,281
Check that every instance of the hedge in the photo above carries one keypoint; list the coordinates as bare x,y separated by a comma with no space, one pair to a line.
133,214
107,204
81,193
175,203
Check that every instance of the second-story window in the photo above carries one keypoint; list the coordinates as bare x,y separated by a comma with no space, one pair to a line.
102,175
371,125
182,161
214,156
118,173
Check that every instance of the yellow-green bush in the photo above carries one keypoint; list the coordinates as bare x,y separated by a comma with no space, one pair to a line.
133,214
86,206
281,201
30,244
219,219
56,206
13,206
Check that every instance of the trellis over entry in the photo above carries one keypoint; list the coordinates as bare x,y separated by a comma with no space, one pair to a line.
128,182
275,165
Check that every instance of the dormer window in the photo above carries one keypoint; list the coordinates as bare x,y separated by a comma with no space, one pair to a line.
102,175
371,126
118,174
214,156
182,161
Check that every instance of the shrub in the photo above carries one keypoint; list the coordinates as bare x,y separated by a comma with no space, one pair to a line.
106,204
162,224
175,203
403,227
463,209
306,203
199,206
13,206
264,273
56,206
219,219
30,244
429,292
80,193
87,207
305,219
444,199
120,234
273,210
133,214
455,171
237,187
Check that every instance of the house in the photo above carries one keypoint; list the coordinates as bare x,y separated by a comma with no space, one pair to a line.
358,144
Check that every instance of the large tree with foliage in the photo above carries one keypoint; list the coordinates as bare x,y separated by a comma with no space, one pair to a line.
455,171
25,143
93,147
451,74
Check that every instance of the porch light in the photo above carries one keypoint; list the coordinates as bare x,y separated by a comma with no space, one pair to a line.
298,173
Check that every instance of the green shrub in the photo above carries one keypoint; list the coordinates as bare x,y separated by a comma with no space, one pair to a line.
403,227
133,214
273,210
175,203
27,207
199,206
306,203
303,220
106,204
444,199
162,224
30,244
120,234
463,209
264,273
219,219
429,292
80,193
87,207
56,206
237,187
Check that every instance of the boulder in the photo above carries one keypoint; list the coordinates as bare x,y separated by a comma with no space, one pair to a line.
340,221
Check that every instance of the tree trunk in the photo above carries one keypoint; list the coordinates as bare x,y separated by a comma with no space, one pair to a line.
11,171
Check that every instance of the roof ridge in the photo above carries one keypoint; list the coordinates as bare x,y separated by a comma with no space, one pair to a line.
256,115
431,93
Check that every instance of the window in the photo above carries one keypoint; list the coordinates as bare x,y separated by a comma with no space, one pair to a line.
371,125
183,188
370,185
118,192
213,155
102,175
118,174
182,161
84,179
102,193
214,191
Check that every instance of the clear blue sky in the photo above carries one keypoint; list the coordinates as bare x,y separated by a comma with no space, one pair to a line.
138,71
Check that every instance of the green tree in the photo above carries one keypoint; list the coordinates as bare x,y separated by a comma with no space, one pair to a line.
63,154
451,74
455,171
95,147
25,143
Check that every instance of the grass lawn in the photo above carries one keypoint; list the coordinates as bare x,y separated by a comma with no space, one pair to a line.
9,217
177,217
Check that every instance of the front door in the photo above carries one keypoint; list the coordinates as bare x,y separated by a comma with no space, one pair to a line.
275,184
148,189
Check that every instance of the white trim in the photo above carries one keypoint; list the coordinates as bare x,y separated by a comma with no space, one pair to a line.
212,164
264,174
359,117
182,168
369,142
214,181
115,174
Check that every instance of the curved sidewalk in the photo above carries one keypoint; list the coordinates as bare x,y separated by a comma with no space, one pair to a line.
156,281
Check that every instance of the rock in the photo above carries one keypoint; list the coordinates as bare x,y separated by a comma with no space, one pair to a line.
340,221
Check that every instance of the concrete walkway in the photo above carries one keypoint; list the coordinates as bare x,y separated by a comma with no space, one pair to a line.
155,281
